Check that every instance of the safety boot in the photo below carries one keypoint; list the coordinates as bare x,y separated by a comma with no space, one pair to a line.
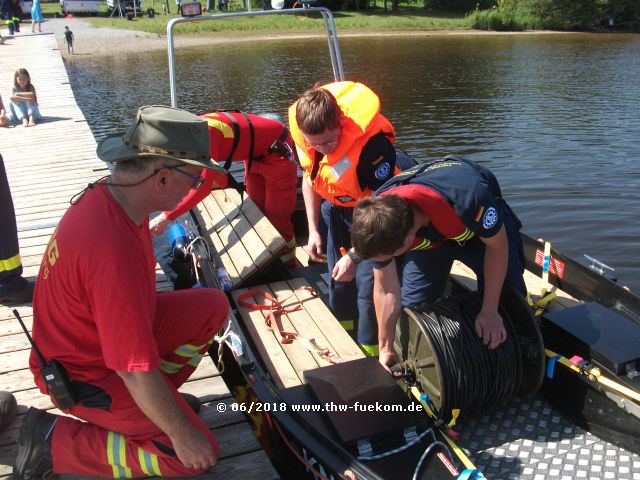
34,453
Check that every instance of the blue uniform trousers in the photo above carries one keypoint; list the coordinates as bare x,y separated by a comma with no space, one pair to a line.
350,301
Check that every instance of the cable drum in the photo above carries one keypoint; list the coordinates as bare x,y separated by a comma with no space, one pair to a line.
440,346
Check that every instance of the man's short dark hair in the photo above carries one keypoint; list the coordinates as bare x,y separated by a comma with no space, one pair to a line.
380,225
317,111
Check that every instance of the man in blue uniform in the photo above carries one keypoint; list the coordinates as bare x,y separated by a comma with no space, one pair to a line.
425,218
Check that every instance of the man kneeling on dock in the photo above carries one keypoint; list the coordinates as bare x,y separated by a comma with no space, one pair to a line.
125,348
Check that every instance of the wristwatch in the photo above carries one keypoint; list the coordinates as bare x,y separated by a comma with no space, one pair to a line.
354,256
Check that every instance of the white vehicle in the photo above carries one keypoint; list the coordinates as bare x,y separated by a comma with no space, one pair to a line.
80,6
125,5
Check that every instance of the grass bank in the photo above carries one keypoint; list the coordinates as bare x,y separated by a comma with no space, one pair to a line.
375,20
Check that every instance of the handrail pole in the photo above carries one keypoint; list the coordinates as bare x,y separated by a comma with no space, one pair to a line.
329,25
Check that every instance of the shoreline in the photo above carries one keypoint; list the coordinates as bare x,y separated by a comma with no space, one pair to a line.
105,41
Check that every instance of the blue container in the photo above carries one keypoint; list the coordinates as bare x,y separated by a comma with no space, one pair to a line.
178,241
223,278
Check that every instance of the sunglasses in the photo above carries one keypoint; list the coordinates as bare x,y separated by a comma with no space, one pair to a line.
197,179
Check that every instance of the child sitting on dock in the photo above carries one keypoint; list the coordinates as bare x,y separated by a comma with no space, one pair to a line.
23,106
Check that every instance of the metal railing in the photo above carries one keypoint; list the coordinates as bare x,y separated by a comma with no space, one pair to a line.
329,25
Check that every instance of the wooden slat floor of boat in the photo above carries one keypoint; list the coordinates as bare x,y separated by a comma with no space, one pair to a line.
287,362
46,165
243,237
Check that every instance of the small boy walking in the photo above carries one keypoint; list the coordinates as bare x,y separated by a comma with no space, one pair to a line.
68,38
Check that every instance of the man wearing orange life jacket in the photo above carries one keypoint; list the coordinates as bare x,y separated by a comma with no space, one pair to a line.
266,147
345,147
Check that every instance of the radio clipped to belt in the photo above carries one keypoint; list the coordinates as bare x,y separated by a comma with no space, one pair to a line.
54,375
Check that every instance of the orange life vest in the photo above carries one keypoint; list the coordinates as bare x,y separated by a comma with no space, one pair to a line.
336,179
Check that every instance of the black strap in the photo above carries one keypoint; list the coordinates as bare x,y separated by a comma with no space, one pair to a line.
236,139
251,140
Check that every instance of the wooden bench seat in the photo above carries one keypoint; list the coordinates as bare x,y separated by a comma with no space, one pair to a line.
464,276
286,363
243,237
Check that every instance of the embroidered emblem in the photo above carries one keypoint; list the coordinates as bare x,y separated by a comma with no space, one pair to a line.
490,218
383,171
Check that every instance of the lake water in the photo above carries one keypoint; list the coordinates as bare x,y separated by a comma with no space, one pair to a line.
555,116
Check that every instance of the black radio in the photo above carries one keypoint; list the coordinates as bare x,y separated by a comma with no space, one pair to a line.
54,375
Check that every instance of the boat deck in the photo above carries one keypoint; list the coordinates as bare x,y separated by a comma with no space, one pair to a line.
46,165
529,438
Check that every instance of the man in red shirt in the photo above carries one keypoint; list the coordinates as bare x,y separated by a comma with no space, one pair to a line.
125,348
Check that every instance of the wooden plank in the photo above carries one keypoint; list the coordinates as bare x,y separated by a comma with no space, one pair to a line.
243,230
299,357
301,320
269,348
467,278
263,227
339,339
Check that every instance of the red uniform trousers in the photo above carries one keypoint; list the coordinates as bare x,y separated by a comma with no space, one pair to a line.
121,442
271,183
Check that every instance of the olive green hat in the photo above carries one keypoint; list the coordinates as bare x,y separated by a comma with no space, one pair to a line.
162,132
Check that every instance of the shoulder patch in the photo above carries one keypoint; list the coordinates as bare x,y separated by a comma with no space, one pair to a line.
490,218
383,171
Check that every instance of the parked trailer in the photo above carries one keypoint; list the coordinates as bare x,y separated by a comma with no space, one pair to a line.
91,7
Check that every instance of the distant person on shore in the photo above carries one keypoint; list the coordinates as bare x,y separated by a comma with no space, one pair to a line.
36,16
68,39
14,288
4,121
10,13
23,106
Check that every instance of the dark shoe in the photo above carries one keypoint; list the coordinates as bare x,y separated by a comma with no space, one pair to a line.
16,290
8,408
192,400
34,454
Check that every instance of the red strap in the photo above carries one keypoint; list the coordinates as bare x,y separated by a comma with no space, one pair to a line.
275,307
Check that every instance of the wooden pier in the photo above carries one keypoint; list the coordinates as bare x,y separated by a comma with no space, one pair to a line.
46,165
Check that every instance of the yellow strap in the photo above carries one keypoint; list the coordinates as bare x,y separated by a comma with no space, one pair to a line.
457,450
541,305
10,263
597,375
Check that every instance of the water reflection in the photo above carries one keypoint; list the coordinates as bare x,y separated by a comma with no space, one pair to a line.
556,116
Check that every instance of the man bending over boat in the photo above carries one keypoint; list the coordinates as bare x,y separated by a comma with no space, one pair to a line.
346,152
424,219
125,348
271,173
